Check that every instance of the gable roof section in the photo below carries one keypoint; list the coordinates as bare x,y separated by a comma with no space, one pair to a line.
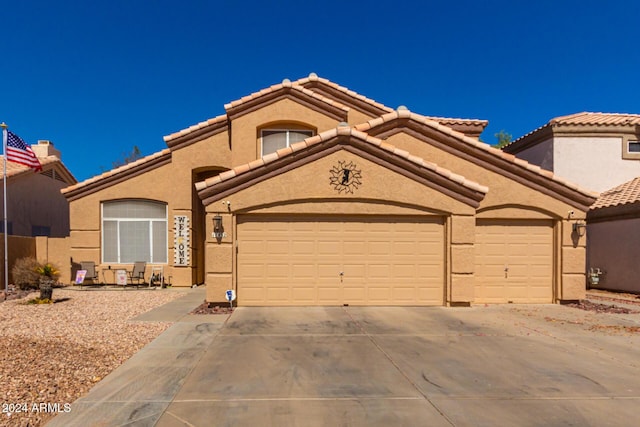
576,123
371,107
117,175
619,202
480,153
197,132
48,163
342,137
315,92
342,94
286,89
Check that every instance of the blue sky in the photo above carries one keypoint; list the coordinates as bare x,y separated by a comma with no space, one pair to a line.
97,78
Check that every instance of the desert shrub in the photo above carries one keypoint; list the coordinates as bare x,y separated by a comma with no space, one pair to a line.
25,274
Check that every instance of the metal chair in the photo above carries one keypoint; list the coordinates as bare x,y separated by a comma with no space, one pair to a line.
92,273
137,274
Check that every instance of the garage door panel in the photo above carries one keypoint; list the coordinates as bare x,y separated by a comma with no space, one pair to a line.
525,248
385,261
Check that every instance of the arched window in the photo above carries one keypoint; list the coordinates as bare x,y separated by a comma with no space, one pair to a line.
134,230
275,139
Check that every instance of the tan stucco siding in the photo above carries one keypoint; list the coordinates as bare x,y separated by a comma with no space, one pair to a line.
245,136
356,117
210,152
312,182
170,184
503,191
35,200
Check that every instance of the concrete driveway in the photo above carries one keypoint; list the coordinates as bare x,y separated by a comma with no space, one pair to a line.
543,365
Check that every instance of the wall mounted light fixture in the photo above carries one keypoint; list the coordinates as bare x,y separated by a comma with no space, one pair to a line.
579,228
217,223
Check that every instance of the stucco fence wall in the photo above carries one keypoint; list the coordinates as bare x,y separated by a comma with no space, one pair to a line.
44,249
613,247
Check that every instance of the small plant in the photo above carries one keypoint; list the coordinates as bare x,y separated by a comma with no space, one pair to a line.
40,301
24,273
48,270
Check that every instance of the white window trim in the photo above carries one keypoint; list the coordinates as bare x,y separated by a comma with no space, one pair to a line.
118,220
287,130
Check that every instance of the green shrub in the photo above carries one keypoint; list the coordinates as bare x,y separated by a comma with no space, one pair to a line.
25,275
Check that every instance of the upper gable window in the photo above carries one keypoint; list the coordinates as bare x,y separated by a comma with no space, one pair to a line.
275,139
631,149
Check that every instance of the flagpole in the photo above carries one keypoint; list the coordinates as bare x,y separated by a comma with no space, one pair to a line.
4,127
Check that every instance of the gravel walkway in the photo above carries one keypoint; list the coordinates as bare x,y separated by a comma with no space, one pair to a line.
52,354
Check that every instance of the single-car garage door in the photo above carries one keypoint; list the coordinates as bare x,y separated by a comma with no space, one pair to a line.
514,261
326,260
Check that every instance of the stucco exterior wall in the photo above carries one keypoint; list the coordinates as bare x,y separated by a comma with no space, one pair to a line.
511,199
35,200
245,136
523,201
19,247
307,190
589,161
612,246
540,154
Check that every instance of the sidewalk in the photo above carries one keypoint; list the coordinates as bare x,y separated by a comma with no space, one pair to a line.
138,392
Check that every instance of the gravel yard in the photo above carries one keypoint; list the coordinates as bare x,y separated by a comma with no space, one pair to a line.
52,354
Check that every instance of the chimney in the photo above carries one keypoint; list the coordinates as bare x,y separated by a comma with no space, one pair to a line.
45,148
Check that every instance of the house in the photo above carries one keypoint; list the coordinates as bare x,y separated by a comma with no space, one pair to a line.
597,151
307,193
613,235
35,206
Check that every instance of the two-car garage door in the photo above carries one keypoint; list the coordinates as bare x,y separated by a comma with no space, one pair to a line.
325,260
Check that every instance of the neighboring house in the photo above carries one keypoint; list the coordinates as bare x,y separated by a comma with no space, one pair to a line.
35,206
307,193
595,150
614,235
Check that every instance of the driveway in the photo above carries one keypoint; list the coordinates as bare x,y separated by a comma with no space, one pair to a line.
545,365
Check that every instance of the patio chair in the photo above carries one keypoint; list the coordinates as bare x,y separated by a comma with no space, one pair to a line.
137,274
92,273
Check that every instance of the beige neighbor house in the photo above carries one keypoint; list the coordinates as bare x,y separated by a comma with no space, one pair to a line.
597,151
614,238
307,193
35,206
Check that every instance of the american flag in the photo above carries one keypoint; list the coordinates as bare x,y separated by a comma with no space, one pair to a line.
19,152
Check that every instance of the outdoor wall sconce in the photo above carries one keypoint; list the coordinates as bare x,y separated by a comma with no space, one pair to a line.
217,223
579,228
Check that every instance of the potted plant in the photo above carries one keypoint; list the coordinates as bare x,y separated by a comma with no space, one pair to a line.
48,277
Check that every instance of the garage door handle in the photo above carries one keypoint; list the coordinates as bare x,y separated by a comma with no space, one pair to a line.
341,276
506,271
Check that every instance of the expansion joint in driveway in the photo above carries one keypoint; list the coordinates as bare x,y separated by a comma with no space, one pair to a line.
395,365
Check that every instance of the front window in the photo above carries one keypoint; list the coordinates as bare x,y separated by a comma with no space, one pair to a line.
134,230
275,139
633,147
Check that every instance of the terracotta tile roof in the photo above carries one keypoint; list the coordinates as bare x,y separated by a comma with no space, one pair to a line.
14,169
299,86
117,171
198,126
328,135
449,121
598,119
623,194
286,85
313,77
406,114
585,118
